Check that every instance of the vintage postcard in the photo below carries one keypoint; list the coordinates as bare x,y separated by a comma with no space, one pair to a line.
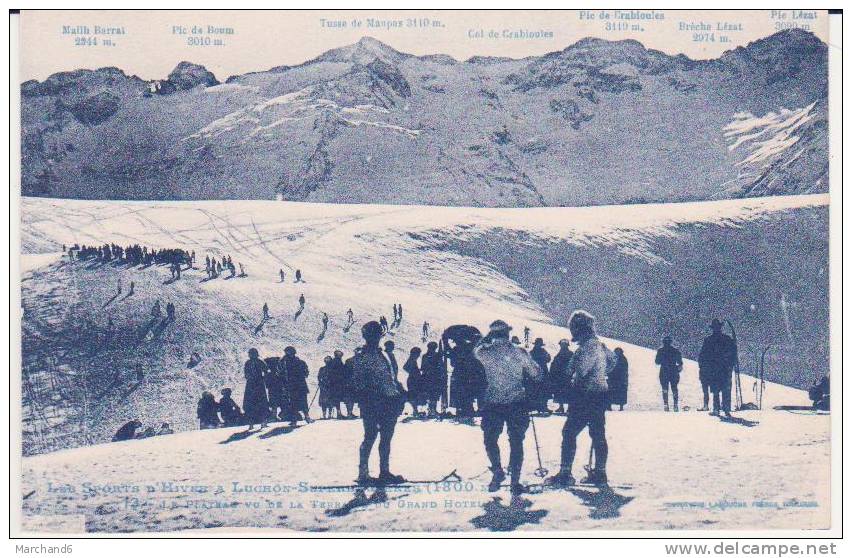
383,272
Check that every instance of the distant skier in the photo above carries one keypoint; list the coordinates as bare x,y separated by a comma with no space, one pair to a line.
527,337
350,317
380,398
560,378
132,288
425,330
281,274
507,369
170,312
207,411
383,322
395,313
716,362
618,381
399,309
265,311
298,276
302,301
324,321
671,363
255,399
589,368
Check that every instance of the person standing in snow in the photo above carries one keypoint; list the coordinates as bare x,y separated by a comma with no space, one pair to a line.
383,322
527,337
295,377
208,411
618,380
281,274
425,330
255,398
434,378
509,371
265,311
298,276
380,398
324,387
389,348
350,316
414,382
324,321
716,362
671,363
589,368
302,301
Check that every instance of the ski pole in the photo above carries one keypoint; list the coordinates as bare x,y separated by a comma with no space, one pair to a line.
541,472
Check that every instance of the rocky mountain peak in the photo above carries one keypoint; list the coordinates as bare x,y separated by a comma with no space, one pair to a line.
187,75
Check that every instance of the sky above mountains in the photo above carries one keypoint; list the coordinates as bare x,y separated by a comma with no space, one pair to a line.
151,43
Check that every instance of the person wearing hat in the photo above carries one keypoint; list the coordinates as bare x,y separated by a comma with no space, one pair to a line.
671,363
560,381
295,374
255,398
508,371
380,398
543,392
591,364
716,362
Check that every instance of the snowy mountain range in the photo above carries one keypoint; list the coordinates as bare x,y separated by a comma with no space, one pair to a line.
599,122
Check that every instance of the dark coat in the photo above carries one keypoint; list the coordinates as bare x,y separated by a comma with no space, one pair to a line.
560,379
468,380
414,383
255,399
230,411
434,375
274,382
717,358
617,381
670,361
338,381
207,412
295,372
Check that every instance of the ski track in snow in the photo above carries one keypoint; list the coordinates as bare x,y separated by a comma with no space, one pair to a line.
369,257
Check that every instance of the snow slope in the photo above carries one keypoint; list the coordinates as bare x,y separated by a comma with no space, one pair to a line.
440,264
